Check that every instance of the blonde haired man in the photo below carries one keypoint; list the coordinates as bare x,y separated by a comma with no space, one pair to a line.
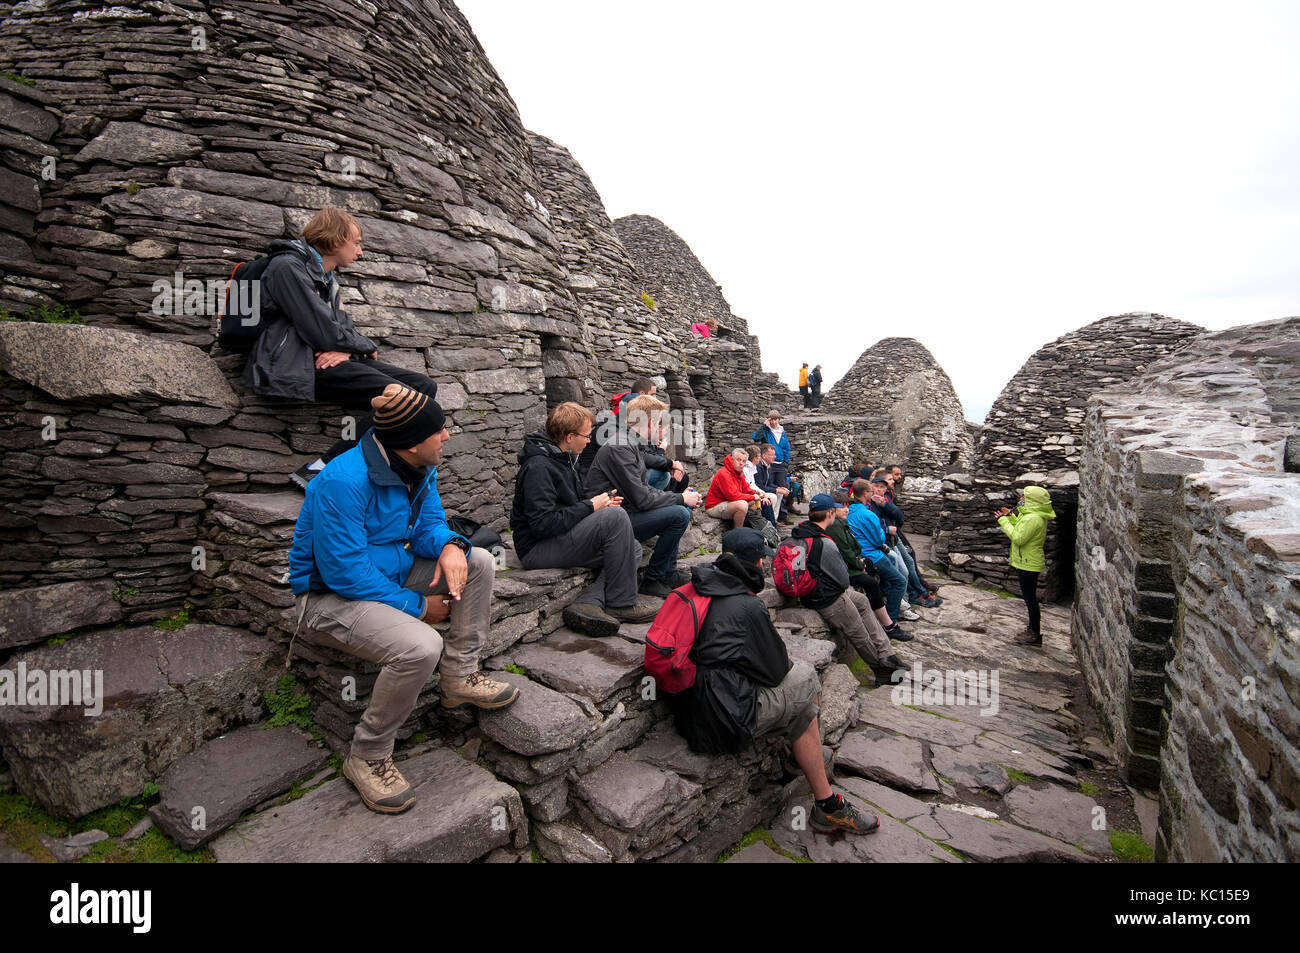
619,467
309,349
555,527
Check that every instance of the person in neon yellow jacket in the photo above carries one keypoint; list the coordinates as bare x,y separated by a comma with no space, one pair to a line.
1027,528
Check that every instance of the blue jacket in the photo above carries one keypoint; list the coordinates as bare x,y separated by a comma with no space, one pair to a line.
868,531
764,435
360,529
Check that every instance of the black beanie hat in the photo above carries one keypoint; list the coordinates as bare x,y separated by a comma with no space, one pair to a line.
405,417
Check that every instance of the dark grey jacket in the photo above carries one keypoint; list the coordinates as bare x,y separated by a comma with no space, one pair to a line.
300,308
622,466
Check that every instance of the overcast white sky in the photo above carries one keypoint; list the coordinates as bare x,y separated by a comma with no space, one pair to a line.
982,176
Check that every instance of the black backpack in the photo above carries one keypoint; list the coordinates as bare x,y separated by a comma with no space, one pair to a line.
241,319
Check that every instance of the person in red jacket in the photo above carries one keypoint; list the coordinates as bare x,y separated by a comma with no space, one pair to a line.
730,494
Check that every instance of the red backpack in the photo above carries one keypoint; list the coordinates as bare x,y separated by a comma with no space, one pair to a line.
790,572
671,637
618,399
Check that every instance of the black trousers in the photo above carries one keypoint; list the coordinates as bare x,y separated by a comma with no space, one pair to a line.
869,587
1029,591
356,382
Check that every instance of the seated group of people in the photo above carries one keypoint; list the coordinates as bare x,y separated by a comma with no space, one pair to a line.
374,565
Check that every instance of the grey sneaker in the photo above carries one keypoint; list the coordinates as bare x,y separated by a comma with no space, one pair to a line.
585,617
846,818
380,784
909,615
637,612
477,690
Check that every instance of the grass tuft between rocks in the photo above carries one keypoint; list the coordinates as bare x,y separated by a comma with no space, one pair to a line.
753,837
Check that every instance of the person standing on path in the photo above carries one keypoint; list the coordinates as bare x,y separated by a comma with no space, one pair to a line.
815,384
803,384
1027,528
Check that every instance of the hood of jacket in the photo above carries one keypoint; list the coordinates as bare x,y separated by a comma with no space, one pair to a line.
727,576
301,249
539,443
1039,502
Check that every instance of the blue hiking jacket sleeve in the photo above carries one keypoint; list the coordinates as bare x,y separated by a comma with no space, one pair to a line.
342,553
868,532
764,435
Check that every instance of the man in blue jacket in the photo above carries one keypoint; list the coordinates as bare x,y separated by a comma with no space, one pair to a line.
774,434
374,565
870,534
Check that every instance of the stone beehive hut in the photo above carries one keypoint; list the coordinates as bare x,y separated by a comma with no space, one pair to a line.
725,372
155,145
900,407
1187,617
1033,434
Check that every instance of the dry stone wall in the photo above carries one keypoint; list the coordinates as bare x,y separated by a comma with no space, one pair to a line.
1033,435
1187,616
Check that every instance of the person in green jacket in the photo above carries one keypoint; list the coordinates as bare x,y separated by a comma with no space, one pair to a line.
1027,528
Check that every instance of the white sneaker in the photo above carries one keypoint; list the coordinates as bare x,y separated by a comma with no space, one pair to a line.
909,616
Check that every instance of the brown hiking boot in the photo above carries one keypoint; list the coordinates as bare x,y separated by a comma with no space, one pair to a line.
1029,637
380,784
477,690
637,612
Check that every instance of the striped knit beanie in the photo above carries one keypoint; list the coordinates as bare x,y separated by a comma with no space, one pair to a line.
405,417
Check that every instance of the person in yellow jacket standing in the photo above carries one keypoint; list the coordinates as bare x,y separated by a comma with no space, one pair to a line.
1027,527
803,384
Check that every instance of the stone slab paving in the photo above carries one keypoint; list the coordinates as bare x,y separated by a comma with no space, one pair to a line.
758,853
461,812
973,755
205,791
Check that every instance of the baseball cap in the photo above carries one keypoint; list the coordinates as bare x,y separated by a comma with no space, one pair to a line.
822,501
746,543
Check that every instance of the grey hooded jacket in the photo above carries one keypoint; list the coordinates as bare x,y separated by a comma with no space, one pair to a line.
300,307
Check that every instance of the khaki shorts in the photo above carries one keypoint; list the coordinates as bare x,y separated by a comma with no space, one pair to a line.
719,511
789,706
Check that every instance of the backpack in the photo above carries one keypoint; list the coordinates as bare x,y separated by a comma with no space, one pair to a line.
790,572
671,637
618,399
240,320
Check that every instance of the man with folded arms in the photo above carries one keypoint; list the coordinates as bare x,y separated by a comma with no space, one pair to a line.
374,565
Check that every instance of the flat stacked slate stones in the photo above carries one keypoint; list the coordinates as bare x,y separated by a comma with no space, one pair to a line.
1034,434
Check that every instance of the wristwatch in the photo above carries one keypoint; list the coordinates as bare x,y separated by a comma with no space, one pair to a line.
459,543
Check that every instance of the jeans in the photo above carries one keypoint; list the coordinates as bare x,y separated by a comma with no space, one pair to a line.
666,522
892,583
658,478
914,582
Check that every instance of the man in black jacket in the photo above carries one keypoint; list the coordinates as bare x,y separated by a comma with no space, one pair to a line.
834,598
745,685
555,527
620,468
309,348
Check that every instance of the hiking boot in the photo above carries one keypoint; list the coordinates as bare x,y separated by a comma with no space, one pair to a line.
585,617
380,784
897,634
1028,637
637,612
935,597
650,586
305,473
925,602
907,615
477,690
847,819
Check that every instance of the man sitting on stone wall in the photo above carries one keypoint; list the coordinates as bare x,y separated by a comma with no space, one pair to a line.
861,577
730,497
745,685
309,349
555,527
833,597
374,565
768,479
870,534
619,468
